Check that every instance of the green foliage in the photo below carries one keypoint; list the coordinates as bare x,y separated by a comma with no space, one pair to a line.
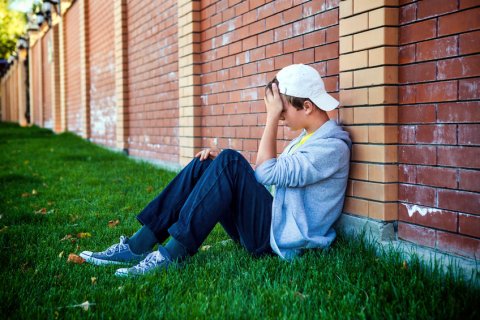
12,26
52,186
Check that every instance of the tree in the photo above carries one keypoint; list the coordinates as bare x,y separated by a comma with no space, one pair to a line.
12,26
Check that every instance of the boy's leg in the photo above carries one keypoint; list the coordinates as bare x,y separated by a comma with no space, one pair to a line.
228,193
163,211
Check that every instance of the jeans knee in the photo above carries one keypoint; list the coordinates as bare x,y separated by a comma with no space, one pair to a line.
229,154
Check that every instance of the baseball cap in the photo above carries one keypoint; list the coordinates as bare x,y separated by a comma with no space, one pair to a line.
302,81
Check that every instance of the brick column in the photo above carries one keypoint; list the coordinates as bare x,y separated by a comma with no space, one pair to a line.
121,67
62,79
22,97
55,80
189,79
84,68
368,92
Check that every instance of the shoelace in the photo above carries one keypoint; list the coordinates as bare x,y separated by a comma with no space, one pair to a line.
117,247
150,261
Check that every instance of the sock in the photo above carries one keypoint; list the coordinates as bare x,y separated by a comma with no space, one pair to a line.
176,249
142,241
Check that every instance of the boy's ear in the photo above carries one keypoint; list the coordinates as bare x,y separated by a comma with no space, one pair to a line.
308,106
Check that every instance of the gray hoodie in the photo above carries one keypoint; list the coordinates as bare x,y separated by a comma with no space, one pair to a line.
310,190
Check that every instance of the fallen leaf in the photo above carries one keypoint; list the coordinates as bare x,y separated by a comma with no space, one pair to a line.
82,235
72,257
4,228
68,236
25,195
94,280
149,189
34,192
85,306
113,223
41,211
404,265
60,255
300,295
206,247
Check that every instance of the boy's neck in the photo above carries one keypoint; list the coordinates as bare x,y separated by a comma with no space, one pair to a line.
317,121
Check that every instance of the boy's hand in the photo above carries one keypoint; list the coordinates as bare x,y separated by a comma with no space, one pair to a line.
207,153
273,101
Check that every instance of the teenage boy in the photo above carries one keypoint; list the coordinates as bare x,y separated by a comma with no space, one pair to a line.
310,179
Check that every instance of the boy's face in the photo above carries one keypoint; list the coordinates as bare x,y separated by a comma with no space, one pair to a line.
292,117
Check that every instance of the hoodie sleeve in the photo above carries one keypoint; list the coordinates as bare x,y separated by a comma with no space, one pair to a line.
315,162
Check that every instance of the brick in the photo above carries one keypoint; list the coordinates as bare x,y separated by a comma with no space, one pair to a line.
469,225
459,67
293,44
303,26
437,177
361,6
463,201
326,19
329,51
469,134
406,54
356,206
436,134
305,56
459,112
354,24
432,8
345,115
346,80
414,73
407,173
458,244
378,114
469,42
415,194
436,92
382,134
383,95
332,34
459,22
375,38
375,191
418,31
407,134
354,60
417,114
375,76
374,153
382,173
408,13
358,134
469,89
468,4
359,171
416,234
383,211
426,155
465,157
428,217
346,44
469,180
437,48
383,17
382,56
345,8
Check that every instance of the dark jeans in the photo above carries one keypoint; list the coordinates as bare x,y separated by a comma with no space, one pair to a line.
206,192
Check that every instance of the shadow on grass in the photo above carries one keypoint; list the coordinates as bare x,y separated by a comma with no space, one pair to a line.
17,180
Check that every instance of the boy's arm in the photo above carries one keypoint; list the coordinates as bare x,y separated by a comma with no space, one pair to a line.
268,144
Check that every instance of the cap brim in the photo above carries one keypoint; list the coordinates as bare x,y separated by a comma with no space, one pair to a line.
325,102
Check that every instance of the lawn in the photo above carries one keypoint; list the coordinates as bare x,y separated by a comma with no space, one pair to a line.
60,195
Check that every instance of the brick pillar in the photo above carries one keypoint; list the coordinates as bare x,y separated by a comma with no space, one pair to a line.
62,80
368,92
84,68
121,67
55,80
189,79
22,89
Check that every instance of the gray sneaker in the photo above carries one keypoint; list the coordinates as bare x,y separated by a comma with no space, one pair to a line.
155,261
119,253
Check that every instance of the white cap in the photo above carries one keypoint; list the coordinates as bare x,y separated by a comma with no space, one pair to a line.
302,81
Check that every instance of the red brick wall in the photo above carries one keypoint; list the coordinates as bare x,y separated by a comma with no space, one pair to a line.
47,46
244,44
72,70
439,114
152,115
101,61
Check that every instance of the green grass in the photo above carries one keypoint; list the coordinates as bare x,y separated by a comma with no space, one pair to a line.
81,187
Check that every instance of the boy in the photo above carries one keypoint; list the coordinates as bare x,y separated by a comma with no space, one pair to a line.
310,178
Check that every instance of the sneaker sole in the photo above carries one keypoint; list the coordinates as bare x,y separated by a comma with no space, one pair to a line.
99,262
